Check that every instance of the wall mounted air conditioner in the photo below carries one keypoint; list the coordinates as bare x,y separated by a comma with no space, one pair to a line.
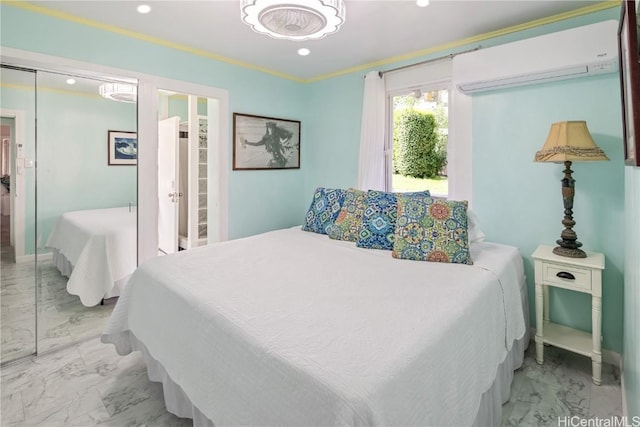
581,51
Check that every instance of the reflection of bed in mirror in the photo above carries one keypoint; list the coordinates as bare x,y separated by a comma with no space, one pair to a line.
96,249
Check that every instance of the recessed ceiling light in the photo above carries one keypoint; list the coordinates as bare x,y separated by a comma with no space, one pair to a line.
71,81
422,3
143,8
303,51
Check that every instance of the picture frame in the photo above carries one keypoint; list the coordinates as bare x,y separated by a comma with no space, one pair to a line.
261,142
122,148
629,54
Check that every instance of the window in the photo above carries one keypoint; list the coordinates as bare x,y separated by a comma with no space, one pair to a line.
420,130
434,81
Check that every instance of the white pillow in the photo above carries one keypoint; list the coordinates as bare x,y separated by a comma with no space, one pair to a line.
475,234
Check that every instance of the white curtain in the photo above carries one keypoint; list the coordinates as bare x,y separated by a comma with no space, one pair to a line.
371,165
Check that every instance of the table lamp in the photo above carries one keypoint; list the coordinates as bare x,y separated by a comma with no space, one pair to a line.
569,142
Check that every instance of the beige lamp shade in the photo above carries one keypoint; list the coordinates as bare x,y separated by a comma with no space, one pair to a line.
570,141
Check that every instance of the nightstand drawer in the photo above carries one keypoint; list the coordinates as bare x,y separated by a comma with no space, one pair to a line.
566,276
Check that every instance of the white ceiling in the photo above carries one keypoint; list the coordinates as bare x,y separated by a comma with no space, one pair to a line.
374,30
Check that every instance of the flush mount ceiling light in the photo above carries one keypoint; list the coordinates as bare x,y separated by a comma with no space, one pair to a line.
295,19
143,9
119,92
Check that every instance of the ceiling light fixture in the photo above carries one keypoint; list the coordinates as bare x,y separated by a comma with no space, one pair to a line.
71,81
295,19
303,51
422,3
119,92
143,9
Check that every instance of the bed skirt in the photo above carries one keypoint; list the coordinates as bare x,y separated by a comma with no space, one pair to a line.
65,268
177,402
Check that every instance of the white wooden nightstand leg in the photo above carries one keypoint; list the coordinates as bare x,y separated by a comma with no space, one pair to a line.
545,293
539,324
596,354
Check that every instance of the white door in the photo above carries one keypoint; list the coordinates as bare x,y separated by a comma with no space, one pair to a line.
168,185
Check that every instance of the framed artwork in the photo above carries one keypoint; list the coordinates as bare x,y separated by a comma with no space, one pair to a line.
630,80
122,148
265,143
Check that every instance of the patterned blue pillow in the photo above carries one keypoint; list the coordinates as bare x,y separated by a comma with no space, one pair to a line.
324,209
379,219
430,229
349,221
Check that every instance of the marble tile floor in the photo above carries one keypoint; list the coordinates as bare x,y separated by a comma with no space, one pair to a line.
85,384
88,384
62,319
561,387
17,306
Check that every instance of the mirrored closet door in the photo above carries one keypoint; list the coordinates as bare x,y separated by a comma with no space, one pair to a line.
69,219
86,204
17,213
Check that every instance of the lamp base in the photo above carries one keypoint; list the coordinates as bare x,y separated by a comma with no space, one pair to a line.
568,243
569,252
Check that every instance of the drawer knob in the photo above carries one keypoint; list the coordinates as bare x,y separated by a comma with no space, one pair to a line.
566,275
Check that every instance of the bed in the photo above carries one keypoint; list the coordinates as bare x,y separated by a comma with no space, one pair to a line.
96,250
292,328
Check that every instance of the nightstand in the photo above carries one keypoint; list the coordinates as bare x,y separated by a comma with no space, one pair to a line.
576,274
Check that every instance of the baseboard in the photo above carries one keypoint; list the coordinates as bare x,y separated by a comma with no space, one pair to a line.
612,358
608,356
25,258
625,414
32,258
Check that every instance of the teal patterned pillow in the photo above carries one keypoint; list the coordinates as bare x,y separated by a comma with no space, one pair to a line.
430,229
349,220
379,220
325,207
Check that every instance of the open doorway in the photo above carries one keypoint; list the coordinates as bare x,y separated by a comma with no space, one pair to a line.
6,134
183,169
16,174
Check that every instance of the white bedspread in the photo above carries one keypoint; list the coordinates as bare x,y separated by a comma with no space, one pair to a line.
292,328
100,245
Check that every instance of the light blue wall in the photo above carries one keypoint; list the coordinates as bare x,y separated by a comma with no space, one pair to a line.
258,200
179,106
519,202
333,131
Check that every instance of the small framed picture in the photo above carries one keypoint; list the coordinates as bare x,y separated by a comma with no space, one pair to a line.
122,148
265,143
